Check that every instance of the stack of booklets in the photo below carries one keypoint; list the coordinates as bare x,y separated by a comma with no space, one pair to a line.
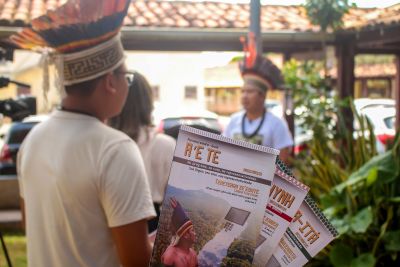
228,203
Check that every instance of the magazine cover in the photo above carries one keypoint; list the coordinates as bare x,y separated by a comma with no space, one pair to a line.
308,233
285,198
214,202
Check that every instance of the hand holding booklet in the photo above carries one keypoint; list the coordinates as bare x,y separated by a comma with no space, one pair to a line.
216,211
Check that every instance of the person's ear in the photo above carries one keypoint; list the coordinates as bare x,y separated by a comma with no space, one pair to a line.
186,235
110,83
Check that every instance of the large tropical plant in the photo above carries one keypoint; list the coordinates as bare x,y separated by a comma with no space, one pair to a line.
365,209
358,189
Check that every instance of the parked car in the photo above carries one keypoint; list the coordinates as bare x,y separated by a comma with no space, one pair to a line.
382,119
169,120
362,103
13,138
301,137
381,113
4,128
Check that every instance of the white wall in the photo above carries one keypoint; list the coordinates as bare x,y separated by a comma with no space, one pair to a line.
172,71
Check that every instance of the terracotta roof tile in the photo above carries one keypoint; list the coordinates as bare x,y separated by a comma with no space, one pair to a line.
185,14
169,22
128,20
6,16
140,21
198,23
182,23
10,4
165,5
210,23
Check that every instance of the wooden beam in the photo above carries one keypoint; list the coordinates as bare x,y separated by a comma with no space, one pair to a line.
214,40
382,41
213,45
378,36
345,76
380,50
397,92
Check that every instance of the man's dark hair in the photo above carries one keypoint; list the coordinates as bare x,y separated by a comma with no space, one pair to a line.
84,88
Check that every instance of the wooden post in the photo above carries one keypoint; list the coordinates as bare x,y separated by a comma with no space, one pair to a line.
397,92
288,109
389,93
345,54
364,88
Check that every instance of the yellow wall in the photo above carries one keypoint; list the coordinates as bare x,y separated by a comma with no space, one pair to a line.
8,92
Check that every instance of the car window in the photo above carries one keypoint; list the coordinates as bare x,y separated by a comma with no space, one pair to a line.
389,122
18,133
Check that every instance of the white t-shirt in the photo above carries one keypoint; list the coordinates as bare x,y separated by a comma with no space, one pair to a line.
274,131
157,151
79,177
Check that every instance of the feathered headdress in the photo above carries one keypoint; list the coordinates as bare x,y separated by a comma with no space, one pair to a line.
81,36
257,70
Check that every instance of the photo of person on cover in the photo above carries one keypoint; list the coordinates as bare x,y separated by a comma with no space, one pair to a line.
212,210
180,252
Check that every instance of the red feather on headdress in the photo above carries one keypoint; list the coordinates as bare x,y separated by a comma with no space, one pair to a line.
250,50
258,65
74,26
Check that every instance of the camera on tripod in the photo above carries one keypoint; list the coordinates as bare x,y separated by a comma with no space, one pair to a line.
6,53
17,109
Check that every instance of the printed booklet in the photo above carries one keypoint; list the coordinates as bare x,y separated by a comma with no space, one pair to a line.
308,233
285,198
214,203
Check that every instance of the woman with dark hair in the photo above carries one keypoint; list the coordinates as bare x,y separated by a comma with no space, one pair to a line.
157,149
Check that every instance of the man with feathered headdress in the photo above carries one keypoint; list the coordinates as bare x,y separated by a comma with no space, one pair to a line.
180,253
255,123
82,184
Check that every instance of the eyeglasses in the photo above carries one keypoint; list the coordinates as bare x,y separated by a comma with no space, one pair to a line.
129,76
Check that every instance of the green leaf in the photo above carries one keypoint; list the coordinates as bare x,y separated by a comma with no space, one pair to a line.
327,200
388,169
341,225
393,256
394,199
364,260
372,176
392,240
349,182
341,255
381,168
362,220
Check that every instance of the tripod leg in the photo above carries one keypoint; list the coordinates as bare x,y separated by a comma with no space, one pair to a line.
3,244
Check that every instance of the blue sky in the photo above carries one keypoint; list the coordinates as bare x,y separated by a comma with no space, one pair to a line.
359,3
